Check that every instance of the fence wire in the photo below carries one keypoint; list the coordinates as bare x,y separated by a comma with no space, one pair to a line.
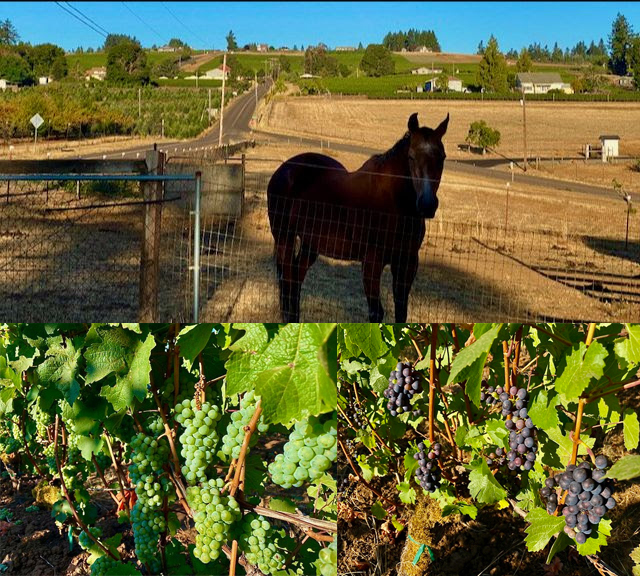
71,251
466,272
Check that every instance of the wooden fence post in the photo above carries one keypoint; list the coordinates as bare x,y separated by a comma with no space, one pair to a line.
150,257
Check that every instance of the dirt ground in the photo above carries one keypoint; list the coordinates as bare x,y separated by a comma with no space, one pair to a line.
492,544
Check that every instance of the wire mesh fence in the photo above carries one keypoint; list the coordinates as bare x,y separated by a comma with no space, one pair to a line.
466,271
74,250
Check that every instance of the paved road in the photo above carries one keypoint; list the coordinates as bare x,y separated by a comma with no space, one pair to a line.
236,124
552,184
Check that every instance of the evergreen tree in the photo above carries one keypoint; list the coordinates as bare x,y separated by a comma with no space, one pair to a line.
231,41
619,44
8,33
377,61
524,63
634,61
492,72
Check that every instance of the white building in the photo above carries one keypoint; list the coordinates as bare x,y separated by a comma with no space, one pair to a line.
541,83
453,84
44,80
423,71
609,145
99,73
6,85
217,73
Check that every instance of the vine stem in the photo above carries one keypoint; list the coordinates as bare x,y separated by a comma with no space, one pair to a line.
357,472
505,353
467,403
234,558
297,519
104,480
610,390
118,471
550,334
581,403
167,429
516,356
76,517
432,370
176,364
249,430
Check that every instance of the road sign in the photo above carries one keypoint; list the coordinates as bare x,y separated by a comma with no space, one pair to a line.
37,121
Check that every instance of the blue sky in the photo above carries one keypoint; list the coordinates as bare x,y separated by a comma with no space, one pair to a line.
459,26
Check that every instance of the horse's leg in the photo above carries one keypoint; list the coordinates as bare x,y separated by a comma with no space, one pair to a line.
403,269
286,264
372,267
305,260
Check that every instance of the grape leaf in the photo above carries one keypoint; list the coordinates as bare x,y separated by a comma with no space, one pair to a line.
468,357
629,348
483,486
379,375
89,446
290,374
407,493
365,337
562,541
631,429
193,339
132,366
378,510
565,445
626,468
282,505
542,410
593,545
542,527
582,365
497,431
60,368
609,409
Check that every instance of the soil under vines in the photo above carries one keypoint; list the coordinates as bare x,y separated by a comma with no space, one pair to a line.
492,544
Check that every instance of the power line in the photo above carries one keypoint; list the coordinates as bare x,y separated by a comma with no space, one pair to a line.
80,20
185,26
145,23
87,18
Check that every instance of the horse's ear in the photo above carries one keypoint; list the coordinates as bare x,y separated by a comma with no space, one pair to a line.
442,129
413,122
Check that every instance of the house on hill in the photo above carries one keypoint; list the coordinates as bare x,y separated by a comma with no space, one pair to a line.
345,49
541,83
6,85
98,73
454,85
424,71
217,73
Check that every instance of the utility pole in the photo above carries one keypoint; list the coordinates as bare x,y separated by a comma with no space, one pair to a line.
209,107
255,79
224,77
524,126
139,103
196,78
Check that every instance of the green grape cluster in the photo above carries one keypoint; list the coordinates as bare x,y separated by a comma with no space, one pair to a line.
214,515
43,421
257,543
50,458
148,524
83,539
156,426
9,445
103,460
106,565
233,439
200,438
309,453
146,471
327,562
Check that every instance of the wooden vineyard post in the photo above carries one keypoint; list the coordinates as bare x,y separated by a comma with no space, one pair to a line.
150,257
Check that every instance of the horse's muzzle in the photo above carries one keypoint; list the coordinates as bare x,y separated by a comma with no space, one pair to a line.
427,203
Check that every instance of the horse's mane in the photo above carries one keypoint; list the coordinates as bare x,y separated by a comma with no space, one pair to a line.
380,159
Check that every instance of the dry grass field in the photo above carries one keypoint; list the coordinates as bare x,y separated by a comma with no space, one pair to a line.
558,129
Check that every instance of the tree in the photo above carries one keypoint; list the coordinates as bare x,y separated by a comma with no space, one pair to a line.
59,68
482,135
114,39
231,41
492,71
284,63
442,81
377,61
42,58
480,49
619,44
524,63
319,63
557,55
168,68
8,34
634,61
360,47
177,43
15,69
127,64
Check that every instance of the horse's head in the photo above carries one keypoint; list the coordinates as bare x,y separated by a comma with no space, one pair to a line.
426,162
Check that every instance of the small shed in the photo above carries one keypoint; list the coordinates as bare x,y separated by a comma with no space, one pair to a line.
609,144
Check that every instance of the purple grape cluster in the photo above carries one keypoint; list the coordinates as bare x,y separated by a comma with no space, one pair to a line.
404,382
522,432
356,415
496,457
428,473
588,498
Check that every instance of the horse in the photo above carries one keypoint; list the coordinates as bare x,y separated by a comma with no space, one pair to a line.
375,215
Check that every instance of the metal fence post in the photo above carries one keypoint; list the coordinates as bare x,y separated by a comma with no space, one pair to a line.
152,227
196,249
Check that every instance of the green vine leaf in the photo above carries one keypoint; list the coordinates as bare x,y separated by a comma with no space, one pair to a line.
61,367
593,544
626,468
561,542
542,527
543,410
582,365
631,429
629,348
483,486
193,339
365,338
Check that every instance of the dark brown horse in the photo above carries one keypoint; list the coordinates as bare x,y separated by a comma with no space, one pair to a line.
374,215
